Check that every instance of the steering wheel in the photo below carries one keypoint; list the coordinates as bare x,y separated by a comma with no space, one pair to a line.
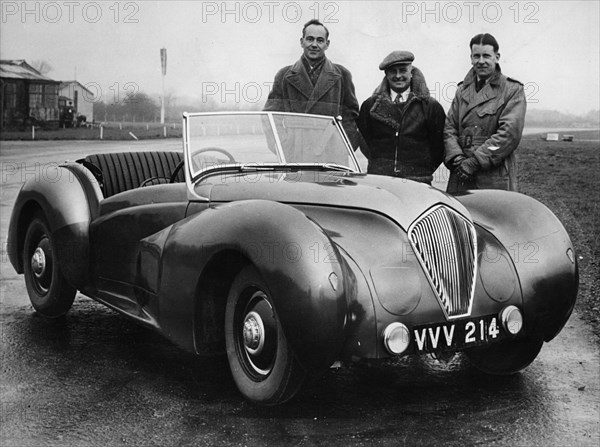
179,166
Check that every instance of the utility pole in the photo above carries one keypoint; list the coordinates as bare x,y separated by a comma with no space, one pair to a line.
163,62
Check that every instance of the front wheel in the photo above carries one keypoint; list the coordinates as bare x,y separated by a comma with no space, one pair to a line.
507,357
261,360
48,291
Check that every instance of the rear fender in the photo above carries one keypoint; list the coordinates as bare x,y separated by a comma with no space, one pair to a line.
66,203
541,252
307,291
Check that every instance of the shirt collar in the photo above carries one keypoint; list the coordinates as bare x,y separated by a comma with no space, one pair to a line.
403,95
312,66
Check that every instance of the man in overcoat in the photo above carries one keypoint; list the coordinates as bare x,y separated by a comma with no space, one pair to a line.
315,85
401,123
484,124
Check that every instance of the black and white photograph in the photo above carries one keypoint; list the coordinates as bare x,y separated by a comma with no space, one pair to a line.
300,223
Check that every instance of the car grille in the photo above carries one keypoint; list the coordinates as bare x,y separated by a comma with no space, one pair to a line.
446,245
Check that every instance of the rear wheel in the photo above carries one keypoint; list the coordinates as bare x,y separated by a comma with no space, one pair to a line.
261,360
48,291
507,357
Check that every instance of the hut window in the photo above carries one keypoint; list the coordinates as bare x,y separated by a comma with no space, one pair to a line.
35,95
11,95
51,96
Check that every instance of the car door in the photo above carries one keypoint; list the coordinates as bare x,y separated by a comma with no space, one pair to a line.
124,220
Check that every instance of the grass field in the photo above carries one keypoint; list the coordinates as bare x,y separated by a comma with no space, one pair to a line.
565,176
110,131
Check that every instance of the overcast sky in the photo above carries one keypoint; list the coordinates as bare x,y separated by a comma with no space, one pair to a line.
231,51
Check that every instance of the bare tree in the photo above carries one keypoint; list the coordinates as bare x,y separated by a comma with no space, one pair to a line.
42,66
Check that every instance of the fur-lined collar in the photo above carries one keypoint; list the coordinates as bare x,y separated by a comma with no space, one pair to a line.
385,110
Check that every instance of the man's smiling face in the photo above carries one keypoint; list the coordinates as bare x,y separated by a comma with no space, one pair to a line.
484,60
399,77
314,42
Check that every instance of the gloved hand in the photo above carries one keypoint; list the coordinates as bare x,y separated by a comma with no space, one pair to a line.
455,162
467,169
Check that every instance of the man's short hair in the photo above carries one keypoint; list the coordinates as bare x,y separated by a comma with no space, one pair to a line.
485,39
315,22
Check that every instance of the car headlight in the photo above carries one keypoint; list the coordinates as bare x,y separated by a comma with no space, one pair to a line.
511,319
396,338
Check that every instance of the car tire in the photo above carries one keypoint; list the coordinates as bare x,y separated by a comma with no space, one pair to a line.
262,362
48,291
507,357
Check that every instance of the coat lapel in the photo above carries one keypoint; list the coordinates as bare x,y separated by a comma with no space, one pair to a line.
473,98
298,77
383,108
329,76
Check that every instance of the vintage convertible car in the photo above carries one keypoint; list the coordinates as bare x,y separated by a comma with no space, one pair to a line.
263,239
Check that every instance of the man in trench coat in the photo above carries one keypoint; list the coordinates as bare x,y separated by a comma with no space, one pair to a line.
315,85
484,124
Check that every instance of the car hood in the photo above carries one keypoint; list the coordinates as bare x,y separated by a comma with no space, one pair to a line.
400,199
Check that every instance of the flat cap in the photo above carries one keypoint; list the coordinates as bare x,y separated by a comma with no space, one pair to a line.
397,58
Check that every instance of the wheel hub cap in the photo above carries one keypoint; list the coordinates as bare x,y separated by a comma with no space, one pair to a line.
253,333
38,262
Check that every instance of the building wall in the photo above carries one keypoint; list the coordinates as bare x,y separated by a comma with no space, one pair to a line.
26,101
43,101
82,99
14,102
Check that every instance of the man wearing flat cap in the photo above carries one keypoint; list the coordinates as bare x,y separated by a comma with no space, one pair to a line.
401,123
484,124
315,85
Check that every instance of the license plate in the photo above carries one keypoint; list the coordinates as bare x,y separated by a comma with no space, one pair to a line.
459,334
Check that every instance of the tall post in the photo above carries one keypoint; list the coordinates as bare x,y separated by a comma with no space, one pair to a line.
163,62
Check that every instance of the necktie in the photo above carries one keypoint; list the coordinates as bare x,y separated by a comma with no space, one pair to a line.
312,74
479,84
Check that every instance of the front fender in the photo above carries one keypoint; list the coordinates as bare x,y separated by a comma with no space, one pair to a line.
540,249
294,255
59,193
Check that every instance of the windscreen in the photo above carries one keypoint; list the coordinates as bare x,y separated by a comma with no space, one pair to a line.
264,139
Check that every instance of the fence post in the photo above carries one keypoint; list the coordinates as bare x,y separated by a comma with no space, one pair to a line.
101,131
32,132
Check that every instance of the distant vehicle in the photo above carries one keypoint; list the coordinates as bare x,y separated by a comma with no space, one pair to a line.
263,239
81,121
66,116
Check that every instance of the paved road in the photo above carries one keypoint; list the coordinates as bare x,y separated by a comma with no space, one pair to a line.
96,378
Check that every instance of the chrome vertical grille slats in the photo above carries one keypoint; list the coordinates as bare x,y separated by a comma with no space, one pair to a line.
444,259
447,257
446,245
